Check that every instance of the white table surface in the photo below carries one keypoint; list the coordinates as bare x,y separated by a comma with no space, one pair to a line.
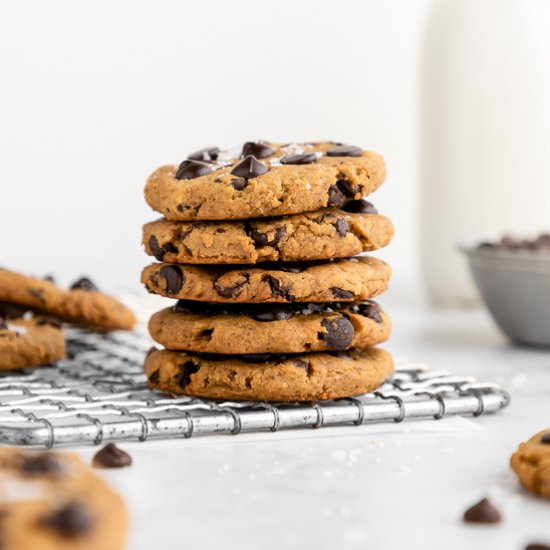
387,486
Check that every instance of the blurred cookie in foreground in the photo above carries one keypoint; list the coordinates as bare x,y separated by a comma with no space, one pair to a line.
83,304
30,342
531,463
264,377
51,501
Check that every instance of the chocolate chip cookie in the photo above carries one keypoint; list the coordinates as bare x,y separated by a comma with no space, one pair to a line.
82,305
269,328
325,234
334,281
301,377
263,179
30,343
531,463
51,501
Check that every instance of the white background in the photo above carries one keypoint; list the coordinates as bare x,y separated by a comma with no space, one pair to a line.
95,95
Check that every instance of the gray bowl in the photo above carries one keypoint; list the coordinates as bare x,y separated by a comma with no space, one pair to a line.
515,287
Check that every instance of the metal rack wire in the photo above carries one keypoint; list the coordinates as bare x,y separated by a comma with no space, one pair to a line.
100,394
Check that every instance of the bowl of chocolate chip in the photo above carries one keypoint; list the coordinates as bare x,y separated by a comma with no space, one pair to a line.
513,278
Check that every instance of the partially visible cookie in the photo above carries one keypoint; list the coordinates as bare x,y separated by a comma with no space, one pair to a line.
51,501
531,463
269,328
302,377
325,234
30,343
334,281
83,304
263,179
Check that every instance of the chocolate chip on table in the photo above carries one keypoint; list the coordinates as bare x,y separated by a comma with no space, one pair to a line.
40,464
183,378
369,309
262,239
344,151
360,206
342,227
71,521
249,168
111,457
173,275
206,154
258,149
339,333
191,169
272,312
84,284
545,438
341,293
304,158
482,512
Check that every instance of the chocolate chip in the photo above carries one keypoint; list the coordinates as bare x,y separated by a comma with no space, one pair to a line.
262,239
304,158
339,334
190,169
335,196
301,364
347,188
360,206
277,289
50,321
40,464
71,521
173,275
49,278
345,151
249,168
482,512
341,293
154,377
206,154
239,184
258,149
234,290
183,378
272,312
537,546
545,438
84,284
156,249
255,357
342,227
182,207
111,457
369,309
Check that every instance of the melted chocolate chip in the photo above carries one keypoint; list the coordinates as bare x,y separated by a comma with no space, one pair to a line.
71,521
234,290
111,457
262,239
183,378
84,284
154,377
272,312
347,188
342,227
304,158
206,154
369,309
339,334
360,206
345,151
190,169
259,149
174,277
341,294
335,196
545,438
255,357
249,168
482,512
277,289
159,251
239,184
40,464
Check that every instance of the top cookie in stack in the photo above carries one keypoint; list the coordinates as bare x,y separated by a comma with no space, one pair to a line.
280,223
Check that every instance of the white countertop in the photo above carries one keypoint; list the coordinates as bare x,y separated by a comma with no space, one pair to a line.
379,487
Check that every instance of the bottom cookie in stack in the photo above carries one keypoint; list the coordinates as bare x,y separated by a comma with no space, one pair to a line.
269,352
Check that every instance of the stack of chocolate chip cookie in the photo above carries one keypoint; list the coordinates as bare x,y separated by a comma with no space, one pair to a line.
257,246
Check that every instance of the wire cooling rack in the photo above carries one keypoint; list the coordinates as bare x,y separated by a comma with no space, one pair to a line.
100,394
